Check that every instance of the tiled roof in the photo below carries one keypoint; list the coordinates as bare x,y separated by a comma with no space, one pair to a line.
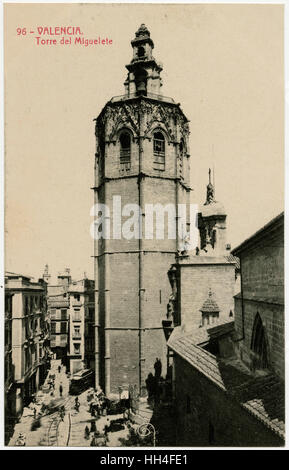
262,397
234,259
203,334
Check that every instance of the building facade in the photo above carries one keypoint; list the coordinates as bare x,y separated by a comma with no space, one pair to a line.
58,313
71,313
142,155
26,340
81,325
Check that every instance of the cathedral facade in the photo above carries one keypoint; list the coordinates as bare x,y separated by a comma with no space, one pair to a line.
142,156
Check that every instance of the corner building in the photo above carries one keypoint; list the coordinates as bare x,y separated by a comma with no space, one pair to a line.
142,155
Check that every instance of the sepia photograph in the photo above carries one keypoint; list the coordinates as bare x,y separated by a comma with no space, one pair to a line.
143,226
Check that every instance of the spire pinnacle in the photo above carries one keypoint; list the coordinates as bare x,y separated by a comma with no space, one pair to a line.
210,191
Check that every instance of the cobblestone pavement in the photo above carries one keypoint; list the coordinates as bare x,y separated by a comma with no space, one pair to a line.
39,435
69,432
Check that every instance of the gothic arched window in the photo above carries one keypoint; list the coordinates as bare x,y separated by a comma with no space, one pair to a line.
125,150
259,345
159,151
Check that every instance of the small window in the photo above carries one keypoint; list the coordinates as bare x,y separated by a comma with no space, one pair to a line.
91,313
53,314
141,52
125,147
63,315
76,348
77,331
159,151
63,327
76,315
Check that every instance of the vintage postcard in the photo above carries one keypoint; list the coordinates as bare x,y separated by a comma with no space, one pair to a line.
144,226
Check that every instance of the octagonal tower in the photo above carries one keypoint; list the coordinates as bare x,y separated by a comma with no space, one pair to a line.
142,156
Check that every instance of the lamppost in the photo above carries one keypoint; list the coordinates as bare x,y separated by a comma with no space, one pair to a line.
145,430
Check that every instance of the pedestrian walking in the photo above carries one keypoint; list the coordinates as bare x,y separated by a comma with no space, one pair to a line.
86,432
92,426
62,413
60,389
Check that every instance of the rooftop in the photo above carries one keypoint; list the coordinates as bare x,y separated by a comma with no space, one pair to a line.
263,397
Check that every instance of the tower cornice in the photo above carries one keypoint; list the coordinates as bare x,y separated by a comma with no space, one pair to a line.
153,98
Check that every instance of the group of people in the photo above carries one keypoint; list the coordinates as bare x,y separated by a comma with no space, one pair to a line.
98,439
97,407
97,403
51,383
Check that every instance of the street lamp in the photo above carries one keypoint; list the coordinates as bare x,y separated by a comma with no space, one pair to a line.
145,430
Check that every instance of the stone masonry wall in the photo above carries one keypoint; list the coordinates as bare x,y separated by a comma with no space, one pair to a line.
212,417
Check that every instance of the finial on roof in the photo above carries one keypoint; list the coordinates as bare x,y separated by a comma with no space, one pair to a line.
142,31
210,191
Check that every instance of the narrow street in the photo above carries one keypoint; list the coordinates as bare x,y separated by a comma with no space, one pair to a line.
55,432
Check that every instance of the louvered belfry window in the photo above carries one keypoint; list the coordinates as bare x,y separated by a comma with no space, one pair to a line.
125,150
159,151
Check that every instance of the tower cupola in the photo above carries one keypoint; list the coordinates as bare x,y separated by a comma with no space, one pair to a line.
212,224
143,71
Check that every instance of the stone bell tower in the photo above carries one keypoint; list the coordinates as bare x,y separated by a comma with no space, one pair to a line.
142,157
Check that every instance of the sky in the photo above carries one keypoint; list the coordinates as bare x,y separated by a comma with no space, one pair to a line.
223,63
